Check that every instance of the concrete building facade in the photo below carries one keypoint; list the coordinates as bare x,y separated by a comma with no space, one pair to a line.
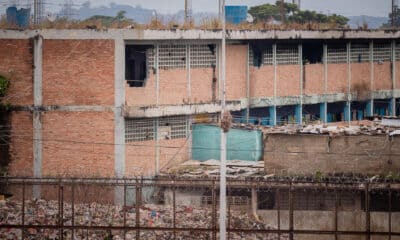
121,102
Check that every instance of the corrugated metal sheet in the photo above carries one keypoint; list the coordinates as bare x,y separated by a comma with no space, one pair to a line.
241,144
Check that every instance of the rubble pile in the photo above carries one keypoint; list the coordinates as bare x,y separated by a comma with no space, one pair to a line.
335,129
42,212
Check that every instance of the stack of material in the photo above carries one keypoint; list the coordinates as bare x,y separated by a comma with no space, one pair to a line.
41,212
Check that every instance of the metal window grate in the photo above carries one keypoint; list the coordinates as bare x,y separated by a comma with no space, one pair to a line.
337,54
139,129
268,56
382,52
145,129
360,53
150,53
203,55
178,126
172,56
397,51
287,54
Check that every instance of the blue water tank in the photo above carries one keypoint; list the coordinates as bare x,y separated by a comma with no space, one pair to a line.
235,14
11,13
23,16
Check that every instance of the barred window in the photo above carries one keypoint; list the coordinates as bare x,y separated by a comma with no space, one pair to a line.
145,129
360,53
202,55
172,56
287,55
337,54
382,52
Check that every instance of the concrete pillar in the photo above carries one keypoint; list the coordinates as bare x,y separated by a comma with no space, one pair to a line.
323,112
347,112
119,120
392,107
37,102
370,108
272,115
299,114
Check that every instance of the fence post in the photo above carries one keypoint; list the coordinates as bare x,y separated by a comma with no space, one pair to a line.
336,214
73,209
174,209
137,208
367,213
390,213
124,208
23,211
290,211
278,206
214,211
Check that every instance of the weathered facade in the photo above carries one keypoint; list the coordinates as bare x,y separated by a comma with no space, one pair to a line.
121,102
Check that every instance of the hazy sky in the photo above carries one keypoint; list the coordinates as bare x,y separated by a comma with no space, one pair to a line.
344,7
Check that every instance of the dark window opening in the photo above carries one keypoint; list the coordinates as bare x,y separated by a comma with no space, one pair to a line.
136,64
379,201
312,52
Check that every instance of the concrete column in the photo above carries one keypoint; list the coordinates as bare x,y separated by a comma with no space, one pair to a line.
299,109
325,68
37,102
299,114
347,112
188,73
393,100
248,83
370,108
157,160
371,57
272,115
323,112
119,120
392,107
156,60
272,110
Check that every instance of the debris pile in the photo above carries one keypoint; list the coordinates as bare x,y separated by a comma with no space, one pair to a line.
42,212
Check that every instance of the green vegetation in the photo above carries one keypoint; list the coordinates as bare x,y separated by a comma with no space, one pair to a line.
292,14
4,84
109,21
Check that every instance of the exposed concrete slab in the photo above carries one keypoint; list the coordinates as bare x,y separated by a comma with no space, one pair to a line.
146,34
185,109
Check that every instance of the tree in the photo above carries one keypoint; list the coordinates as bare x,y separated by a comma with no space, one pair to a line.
293,14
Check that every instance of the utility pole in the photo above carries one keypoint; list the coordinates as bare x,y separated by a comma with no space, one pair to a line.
282,11
186,11
222,192
392,19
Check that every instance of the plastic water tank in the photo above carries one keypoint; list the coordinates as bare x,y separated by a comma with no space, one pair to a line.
235,14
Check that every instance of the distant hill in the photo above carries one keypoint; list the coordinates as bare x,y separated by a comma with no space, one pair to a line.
372,22
136,13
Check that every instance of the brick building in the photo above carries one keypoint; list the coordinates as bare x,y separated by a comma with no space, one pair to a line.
121,102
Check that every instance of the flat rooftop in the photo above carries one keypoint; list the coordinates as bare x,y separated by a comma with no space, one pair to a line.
178,34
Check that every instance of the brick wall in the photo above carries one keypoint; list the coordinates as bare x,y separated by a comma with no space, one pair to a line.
141,96
382,76
288,80
236,67
202,85
78,144
397,65
173,86
78,72
21,144
140,157
337,78
16,63
360,75
262,81
313,82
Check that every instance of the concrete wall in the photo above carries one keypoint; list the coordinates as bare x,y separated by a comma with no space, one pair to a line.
16,63
325,220
78,72
308,154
